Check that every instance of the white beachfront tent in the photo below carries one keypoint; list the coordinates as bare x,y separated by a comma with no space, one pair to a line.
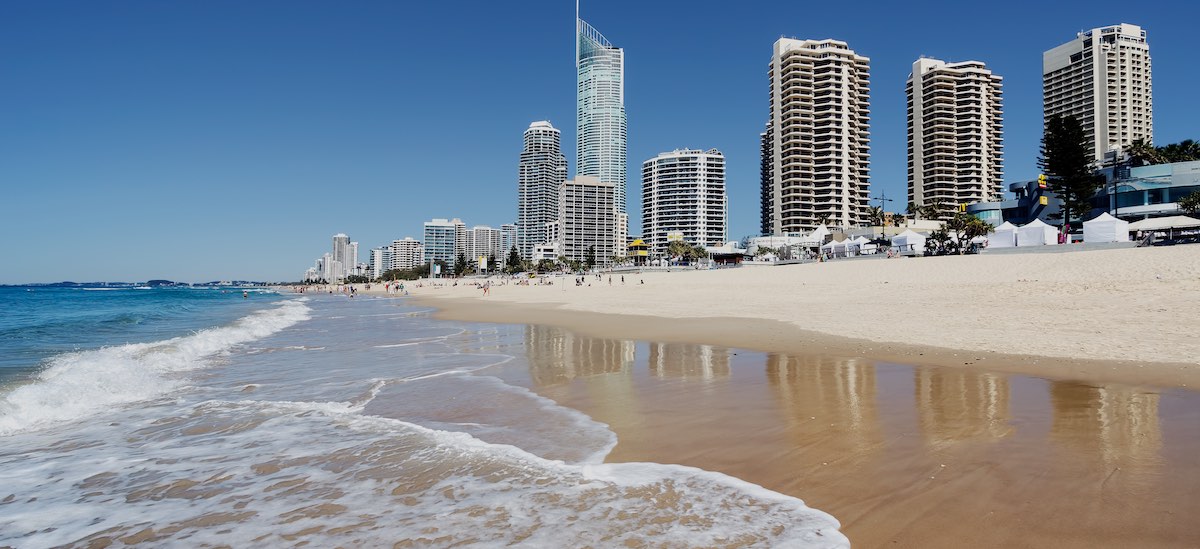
1005,236
909,241
1164,223
865,246
842,248
828,246
1106,228
1036,233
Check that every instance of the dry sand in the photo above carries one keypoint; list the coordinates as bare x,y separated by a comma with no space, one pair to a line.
1127,315
945,453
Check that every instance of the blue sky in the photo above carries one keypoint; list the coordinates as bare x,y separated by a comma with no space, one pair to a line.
209,140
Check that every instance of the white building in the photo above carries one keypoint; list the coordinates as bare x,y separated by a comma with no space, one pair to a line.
406,254
508,238
600,124
684,190
444,240
483,241
819,136
381,261
587,219
1102,78
955,134
341,254
542,170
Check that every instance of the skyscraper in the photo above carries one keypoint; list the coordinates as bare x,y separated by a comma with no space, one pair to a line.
1102,78
955,134
601,124
684,191
339,258
586,219
542,170
819,136
444,239
406,253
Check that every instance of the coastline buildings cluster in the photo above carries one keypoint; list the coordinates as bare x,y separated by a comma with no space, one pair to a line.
815,155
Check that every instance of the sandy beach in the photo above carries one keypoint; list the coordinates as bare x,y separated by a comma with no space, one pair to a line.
1015,400
1124,315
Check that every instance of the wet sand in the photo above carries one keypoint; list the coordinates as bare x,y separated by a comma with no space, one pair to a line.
903,456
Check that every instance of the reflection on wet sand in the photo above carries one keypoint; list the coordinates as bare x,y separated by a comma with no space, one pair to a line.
1119,425
557,356
833,391
688,361
954,406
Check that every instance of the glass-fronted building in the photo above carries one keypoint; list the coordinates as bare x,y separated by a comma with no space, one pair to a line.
601,136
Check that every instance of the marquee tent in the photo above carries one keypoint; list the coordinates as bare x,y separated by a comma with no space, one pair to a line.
1164,223
1105,228
1036,233
1005,236
909,241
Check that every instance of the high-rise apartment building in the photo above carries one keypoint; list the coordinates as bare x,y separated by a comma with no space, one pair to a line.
508,237
586,219
406,254
601,124
1102,78
541,172
684,191
955,134
444,239
766,182
381,260
819,136
340,255
483,242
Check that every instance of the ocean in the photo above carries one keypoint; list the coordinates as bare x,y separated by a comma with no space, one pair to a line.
199,417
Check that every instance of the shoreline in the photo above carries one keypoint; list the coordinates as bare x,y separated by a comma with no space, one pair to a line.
771,336
1117,315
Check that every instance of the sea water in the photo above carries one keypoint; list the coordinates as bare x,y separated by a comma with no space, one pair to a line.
184,417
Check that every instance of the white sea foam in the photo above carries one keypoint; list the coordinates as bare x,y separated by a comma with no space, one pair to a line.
232,473
77,384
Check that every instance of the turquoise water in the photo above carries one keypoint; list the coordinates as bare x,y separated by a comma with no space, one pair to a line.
39,323
197,418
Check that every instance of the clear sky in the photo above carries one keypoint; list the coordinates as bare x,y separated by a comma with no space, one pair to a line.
211,140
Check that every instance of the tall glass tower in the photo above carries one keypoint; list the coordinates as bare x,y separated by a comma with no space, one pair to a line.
601,135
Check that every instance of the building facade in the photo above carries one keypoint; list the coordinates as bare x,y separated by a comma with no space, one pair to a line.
819,136
444,240
955,135
406,254
587,219
541,172
484,242
340,255
1102,78
601,124
684,191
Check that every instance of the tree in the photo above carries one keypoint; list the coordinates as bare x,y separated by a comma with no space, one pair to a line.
460,264
513,264
1183,151
1065,160
939,240
589,257
357,279
492,265
963,227
875,216
546,265
1143,153
678,248
1190,203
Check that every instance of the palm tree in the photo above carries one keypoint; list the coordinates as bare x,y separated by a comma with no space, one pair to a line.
1143,153
875,216
1183,151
